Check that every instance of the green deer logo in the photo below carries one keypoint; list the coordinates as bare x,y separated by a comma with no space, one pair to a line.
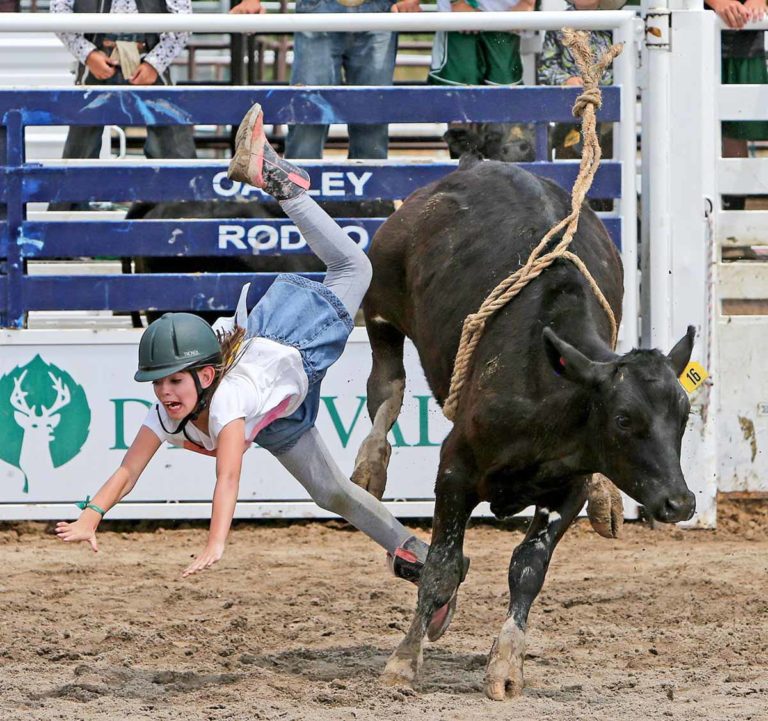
44,419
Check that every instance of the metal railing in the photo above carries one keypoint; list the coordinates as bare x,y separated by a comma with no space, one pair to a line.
159,181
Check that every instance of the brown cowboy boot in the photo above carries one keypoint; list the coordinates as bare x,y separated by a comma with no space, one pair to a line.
407,562
255,161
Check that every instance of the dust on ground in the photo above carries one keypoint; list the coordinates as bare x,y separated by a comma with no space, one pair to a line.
297,622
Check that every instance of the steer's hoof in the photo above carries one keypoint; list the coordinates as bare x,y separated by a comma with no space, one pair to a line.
396,680
495,690
605,507
503,679
499,690
399,672
363,475
504,672
371,472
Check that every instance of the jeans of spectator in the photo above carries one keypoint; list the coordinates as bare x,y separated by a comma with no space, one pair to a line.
320,58
163,141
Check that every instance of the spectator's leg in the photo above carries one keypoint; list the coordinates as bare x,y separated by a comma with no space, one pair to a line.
175,142
83,141
170,141
369,60
456,60
501,61
316,61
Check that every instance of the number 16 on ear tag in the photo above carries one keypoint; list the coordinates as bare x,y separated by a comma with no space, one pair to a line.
693,376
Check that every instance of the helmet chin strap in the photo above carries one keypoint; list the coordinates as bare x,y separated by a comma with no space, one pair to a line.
200,406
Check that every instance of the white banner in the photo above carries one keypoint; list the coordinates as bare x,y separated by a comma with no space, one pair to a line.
69,408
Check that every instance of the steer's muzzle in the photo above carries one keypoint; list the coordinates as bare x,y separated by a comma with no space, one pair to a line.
675,507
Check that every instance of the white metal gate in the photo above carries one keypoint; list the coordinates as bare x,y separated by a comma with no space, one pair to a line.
685,279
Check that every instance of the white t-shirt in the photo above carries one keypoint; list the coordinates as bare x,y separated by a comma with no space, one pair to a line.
267,383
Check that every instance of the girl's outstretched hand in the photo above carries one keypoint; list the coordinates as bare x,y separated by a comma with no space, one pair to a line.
210,555
79,530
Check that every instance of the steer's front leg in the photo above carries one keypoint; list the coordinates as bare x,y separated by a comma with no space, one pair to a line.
386,386
527,569
442,572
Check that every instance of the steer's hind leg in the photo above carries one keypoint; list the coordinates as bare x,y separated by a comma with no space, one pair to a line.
443,571
530,560
386,386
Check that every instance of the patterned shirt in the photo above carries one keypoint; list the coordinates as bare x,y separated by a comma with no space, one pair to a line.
556,63
160,57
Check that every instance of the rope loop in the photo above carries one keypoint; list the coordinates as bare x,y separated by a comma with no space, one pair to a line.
589,98
585,107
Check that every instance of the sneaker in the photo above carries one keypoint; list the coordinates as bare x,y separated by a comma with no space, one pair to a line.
407,562
408,559
256,162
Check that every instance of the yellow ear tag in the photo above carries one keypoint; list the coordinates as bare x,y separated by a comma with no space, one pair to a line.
572,138
693,376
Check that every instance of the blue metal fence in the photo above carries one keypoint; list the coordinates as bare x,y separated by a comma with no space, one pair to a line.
22,182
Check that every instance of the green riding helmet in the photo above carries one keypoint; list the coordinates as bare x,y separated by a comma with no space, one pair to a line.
176,342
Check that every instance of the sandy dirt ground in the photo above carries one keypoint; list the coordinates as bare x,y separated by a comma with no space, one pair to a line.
297,622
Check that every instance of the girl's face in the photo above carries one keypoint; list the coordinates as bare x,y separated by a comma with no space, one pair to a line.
177,392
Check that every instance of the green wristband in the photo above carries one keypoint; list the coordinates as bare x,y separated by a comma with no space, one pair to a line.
82,505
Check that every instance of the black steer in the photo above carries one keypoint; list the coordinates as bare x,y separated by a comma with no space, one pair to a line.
547,402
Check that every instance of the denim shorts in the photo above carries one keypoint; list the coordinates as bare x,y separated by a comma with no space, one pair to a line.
307,316
333,6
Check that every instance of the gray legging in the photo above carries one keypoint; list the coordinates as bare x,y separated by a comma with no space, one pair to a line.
348,272
309,461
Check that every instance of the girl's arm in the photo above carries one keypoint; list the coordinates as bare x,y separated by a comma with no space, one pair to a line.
229,461
119,485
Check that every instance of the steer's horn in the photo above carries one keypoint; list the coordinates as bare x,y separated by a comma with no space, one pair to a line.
680,355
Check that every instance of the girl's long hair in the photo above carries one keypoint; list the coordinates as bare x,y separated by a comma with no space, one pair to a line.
233,345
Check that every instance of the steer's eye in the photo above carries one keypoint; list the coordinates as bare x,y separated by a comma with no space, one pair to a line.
623,422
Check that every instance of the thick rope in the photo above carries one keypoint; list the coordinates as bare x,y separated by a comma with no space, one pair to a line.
585,107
